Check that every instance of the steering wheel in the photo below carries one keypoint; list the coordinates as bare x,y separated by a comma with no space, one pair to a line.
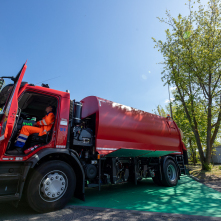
25,116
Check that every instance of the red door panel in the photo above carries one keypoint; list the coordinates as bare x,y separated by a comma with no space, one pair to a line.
10,111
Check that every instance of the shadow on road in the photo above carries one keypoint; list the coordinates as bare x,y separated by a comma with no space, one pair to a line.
71,213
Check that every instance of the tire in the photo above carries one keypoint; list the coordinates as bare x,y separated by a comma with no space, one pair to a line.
169,173
157,180
50,186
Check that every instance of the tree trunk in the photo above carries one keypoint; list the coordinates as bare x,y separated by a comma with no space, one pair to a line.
202,158
194,126
208,141
193,152
195,157
217,126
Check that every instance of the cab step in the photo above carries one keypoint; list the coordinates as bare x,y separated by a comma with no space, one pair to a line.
5,198
10,176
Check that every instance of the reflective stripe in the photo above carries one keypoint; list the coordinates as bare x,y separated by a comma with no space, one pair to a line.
60,146
23,138
104,148
40,122
22,135
44,122
2,137
19,139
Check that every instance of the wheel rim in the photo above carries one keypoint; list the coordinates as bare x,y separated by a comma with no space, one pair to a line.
53,186
171,172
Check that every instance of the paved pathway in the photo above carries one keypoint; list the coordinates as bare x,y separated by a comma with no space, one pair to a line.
80,212
189,197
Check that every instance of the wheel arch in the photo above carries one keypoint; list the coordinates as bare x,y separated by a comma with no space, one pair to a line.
65,155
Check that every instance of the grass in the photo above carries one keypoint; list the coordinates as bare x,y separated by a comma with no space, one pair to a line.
197,172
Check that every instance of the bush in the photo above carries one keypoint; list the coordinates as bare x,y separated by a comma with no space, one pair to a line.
207,167
219,167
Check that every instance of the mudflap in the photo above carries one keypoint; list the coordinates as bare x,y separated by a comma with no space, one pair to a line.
185,157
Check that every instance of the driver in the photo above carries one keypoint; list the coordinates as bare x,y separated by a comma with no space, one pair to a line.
41,127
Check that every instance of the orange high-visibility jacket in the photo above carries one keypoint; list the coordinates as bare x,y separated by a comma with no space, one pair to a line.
46,123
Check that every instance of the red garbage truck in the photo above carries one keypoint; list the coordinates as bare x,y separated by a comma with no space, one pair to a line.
93,142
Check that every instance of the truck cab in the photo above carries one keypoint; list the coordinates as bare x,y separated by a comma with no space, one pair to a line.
26,107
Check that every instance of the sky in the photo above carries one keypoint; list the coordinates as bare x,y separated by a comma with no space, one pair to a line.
90,47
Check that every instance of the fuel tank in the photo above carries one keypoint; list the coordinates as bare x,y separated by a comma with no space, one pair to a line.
123,131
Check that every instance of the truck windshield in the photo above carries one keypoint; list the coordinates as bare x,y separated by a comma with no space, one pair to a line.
4,94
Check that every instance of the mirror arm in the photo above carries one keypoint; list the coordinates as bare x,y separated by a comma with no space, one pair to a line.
12,78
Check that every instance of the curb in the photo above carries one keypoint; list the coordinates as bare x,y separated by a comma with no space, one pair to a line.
203,180
196,179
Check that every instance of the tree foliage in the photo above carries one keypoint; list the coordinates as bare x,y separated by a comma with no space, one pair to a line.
192,58
182,122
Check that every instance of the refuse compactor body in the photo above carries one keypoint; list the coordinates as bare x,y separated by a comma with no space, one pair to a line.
123,131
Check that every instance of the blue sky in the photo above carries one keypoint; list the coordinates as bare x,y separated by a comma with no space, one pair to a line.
94,47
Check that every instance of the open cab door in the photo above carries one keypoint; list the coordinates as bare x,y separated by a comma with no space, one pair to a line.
9,111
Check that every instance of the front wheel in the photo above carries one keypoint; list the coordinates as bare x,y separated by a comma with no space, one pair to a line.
169,173
51,186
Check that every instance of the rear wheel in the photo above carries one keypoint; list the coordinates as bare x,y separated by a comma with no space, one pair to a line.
169,173
51,186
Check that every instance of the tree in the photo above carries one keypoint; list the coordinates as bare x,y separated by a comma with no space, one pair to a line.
192,58
160,111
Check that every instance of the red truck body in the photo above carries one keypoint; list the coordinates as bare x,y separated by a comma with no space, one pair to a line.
92,142
122,127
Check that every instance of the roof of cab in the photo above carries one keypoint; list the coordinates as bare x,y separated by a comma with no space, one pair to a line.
49,90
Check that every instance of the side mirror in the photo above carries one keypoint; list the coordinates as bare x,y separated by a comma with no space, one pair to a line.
2,81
